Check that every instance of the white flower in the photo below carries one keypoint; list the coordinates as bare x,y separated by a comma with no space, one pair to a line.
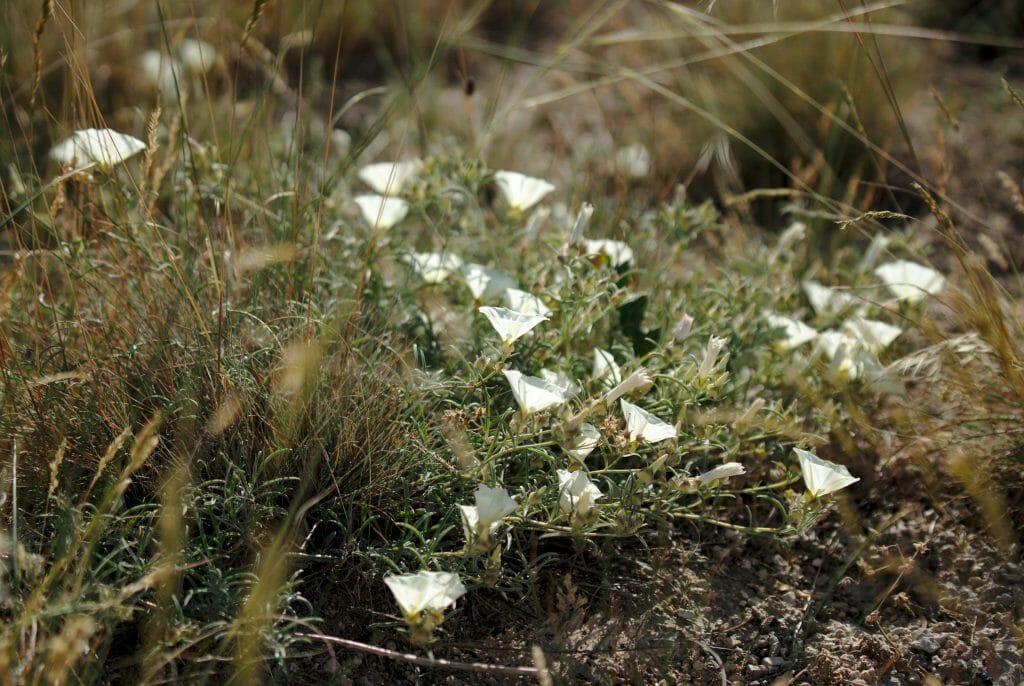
879,243
103,147
585,442
576,493
682,328
562,381
910,281
510,324
841,350
485,283
707,365
796,333
634,160
196,56
341,142
381,211
640,379
826,300
388,178
821,476
642,424
479,520
533,394
433,267
159,70
520,191
874,335
605,368
422,591
580,225
796,231
521,301
618,252
722,471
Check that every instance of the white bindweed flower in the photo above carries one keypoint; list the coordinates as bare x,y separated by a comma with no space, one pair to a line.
795,233
634,160
707,364
878,244
584,443
341,142
388,178
722,471
826,300
576,493
381,211
509,324
486,283
196,56
795,332
102,147
425,590
562,381
605,368
821,476
533,394
480,520
618,252
910,281
433,267
158,70
682,328
640,379
522,301
521,192
642,424
581,223
873,335
840,349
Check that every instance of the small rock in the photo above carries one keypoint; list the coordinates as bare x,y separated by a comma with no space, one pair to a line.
926,643
773,662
